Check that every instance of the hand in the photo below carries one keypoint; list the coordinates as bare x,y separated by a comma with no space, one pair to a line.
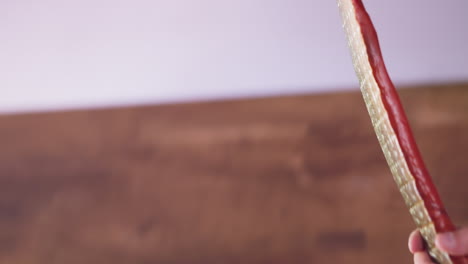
454,243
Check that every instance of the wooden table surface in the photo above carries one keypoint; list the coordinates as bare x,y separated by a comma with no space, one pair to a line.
296,179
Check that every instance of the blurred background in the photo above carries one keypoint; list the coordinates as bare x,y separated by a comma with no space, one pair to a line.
68,54
217,131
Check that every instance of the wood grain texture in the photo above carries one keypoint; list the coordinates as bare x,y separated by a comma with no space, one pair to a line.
277,180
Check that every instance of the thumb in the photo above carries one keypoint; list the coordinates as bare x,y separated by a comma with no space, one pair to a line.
454,243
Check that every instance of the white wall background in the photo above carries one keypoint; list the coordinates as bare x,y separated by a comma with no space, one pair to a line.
58,54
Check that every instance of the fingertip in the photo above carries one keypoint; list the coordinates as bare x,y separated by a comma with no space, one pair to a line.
415,242
455,243
446,242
